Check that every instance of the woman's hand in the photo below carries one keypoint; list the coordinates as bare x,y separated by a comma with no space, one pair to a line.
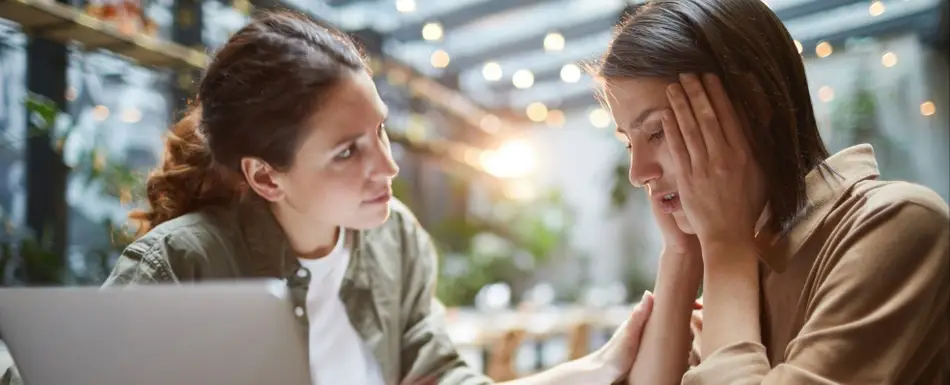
719,185
616,357
675,241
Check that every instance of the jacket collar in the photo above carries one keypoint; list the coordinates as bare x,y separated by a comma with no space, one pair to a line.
823,190
269,249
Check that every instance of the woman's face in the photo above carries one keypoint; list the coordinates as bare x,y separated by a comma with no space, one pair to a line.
343,170
637,105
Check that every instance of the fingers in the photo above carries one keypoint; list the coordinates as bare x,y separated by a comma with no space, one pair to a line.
674,139
731,129
687,125
707,117
638,320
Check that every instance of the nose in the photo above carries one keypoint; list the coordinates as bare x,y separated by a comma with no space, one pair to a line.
383,165
643,165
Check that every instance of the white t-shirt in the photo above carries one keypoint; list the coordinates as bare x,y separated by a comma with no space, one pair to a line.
337,353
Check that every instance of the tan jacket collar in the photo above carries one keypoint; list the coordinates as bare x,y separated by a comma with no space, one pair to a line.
824,189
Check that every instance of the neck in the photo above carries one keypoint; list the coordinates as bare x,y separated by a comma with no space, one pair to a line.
308,238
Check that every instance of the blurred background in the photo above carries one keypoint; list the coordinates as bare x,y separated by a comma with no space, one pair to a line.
505,155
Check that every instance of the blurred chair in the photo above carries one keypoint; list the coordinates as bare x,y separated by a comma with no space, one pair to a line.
501,360
579,340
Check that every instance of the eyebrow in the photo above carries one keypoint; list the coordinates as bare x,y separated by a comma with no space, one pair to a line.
640,118
354,137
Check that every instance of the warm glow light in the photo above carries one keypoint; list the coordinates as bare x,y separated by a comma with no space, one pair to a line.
599,117
440,59
927,108
432,31
490,123
889,59
570,73
492,71
554,42
100,113
876,8
537,112
71,93
406,6
522,79
513,159
555,118
798,46
826,94
823,49
131,115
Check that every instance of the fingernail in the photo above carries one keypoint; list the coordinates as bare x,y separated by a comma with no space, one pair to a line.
667,115
644,296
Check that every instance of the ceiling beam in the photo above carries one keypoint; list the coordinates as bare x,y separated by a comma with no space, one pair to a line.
460,16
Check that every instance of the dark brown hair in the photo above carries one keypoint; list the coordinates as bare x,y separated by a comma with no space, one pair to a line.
258,90
744,43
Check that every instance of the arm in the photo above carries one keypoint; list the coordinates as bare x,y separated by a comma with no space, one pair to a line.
429,357
882,302
665,347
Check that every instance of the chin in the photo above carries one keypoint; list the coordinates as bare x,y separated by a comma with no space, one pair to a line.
370,217
683,223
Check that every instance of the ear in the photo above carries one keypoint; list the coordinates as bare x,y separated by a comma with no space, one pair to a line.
262,178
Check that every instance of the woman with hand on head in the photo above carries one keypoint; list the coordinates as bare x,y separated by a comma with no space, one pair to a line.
814,270
283,169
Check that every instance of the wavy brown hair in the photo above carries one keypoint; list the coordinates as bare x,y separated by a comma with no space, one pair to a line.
260,87
741,41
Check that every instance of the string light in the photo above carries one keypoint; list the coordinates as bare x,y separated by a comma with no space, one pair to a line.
889,59
490,123
823,49
876,8
927,108
100,113
826,94
432,31
406,6
492,71
555,118
440,59
554,42
537,112
522,79
570,73
599,118
131,115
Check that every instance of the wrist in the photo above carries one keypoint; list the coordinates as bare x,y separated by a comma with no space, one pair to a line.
680,267
594,368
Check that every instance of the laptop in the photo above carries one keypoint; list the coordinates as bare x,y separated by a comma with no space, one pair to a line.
212,333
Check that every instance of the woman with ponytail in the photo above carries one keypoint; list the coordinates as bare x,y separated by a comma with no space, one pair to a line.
283,169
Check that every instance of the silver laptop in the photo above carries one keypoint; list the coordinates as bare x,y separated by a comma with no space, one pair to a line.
217,333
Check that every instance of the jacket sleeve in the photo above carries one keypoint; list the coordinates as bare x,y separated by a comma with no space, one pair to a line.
881,306
428,355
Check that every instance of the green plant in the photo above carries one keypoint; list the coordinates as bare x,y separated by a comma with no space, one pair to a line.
37,264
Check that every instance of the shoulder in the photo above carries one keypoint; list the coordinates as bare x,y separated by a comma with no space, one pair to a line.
171,249
890,223
403,235
898,203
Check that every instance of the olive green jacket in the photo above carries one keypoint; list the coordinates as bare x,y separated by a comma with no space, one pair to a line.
387,290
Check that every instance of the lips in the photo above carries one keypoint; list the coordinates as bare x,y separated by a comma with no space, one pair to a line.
381,197
669,201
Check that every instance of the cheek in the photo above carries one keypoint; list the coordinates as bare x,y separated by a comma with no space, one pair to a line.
683,223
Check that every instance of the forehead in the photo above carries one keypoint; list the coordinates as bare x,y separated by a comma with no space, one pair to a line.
352,107
629,98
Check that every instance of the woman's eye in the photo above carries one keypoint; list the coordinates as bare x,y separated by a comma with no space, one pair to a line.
346,153
656,135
